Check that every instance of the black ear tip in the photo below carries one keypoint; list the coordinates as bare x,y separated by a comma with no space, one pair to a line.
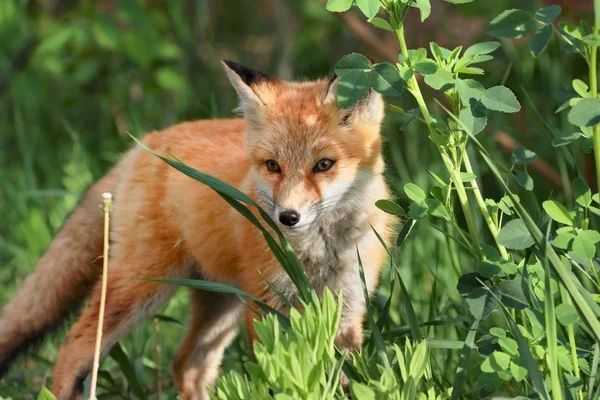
231,64
248,76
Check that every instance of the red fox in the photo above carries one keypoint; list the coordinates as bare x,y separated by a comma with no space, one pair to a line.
315,167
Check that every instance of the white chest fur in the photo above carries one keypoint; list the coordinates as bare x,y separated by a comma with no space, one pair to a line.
327,249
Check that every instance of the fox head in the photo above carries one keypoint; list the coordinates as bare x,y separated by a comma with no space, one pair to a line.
309,156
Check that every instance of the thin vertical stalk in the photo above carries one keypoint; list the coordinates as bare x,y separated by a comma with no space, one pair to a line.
107,207
482,206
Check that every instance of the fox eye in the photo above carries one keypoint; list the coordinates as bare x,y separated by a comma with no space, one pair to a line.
273,166
323,165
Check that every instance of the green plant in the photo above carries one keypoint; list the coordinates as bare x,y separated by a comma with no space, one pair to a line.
301,362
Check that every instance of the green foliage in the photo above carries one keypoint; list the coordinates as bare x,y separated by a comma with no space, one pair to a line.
301,362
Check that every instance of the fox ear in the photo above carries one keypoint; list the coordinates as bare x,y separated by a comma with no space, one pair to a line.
369,109
248,83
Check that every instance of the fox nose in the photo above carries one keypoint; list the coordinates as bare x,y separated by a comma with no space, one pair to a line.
289,217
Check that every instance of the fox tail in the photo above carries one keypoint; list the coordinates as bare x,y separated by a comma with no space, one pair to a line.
62,278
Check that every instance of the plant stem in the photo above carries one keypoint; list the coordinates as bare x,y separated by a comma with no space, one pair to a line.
482,206
107,207
453,170
594,88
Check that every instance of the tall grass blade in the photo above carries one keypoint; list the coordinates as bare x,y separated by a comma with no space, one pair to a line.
413,322
375,332
463,361
128,370
551,335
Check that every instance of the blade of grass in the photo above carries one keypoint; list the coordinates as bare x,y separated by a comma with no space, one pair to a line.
594,370
551,335
463,361
410,311
375,332
128,370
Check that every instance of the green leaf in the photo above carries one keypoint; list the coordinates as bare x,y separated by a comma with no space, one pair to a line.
592,40
361,391
581,88
390,207
565,139
482,48
496,362
518,372
426,67
540,40
513,295
419,361
522,156
567,314
386,79
424,7
488,268
441,80
351,62
105,32
338,5
500,98
406,72
418,210
515,235
524,180
414,192
405,231
381,24
467,176
585,112
45,394
470,91
582,192
352,86
509,346
563,240
547,15
437,209
571,30
368,7
558,212
481,301
473,123
459,1
584,244
511,24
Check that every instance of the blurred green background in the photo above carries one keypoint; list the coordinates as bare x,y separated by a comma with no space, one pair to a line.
77,76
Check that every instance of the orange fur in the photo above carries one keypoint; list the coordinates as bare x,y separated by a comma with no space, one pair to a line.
167,226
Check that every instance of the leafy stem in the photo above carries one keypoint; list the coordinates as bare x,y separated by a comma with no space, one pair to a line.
453,169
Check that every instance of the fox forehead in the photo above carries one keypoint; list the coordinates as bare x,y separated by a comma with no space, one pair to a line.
297,126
